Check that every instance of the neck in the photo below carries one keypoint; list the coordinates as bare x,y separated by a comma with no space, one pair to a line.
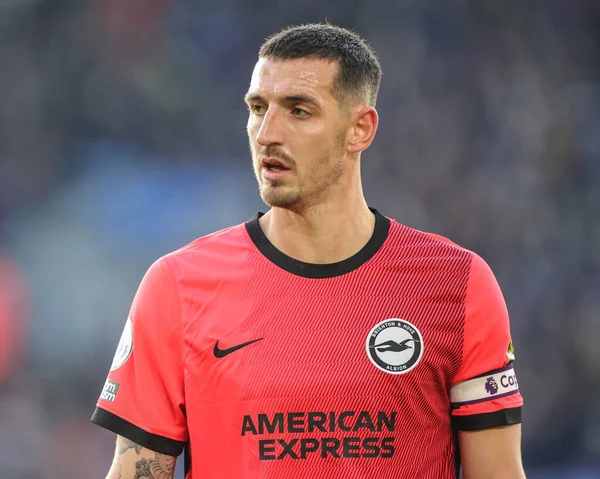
324,233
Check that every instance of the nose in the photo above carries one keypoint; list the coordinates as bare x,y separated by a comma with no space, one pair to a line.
270,131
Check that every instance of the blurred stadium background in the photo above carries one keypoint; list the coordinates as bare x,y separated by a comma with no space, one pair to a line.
122,137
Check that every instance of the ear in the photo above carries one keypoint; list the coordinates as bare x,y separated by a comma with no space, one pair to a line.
363,129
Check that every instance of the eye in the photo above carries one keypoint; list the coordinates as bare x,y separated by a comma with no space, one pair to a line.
300,113
256,108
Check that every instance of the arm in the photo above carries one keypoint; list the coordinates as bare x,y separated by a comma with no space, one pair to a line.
485,398
492,453
133,461
143,398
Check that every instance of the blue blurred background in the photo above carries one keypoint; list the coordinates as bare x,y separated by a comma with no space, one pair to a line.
122,137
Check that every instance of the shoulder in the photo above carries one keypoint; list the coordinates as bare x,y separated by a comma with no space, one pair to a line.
217,248
197,265
481,278
430,244
442,239
226,236
436,253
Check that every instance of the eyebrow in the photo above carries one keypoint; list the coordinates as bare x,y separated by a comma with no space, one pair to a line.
300,98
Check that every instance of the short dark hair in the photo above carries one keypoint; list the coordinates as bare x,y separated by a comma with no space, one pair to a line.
359,73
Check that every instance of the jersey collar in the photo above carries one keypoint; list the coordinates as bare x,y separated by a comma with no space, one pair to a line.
311,270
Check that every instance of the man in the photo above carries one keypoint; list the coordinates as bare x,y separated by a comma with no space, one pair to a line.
321,339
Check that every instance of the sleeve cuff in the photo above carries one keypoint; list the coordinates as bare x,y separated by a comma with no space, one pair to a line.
476,422
120,426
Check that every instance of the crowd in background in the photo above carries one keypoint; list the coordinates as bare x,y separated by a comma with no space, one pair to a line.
122,137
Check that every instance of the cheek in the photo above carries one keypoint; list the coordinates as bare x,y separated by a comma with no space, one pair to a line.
254,146
252,127
321,147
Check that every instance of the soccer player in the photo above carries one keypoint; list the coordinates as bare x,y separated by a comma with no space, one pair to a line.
320,339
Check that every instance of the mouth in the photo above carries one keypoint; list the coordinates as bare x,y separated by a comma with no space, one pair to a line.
273,164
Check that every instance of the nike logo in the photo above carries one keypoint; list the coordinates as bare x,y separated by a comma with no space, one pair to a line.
221,353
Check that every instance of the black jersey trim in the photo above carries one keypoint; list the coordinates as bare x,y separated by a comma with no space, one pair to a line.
124,428
457,458
476,422
311,270
187,460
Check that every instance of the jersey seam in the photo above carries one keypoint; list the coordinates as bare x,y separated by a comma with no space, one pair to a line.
466,306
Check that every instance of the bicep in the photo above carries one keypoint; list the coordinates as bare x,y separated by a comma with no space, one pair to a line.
493,453
133,461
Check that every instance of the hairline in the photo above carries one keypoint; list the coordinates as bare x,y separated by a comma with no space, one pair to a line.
344,99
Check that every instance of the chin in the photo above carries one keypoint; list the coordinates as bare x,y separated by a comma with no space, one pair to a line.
276,198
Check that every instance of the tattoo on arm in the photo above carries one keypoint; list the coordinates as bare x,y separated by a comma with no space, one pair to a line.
151,465
126,444
161,467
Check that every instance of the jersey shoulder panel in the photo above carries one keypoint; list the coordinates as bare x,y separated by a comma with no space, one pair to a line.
223,247
423,244
446,241
432,238
227,236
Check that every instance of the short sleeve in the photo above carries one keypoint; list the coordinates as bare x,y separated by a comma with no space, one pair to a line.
485,391
143,396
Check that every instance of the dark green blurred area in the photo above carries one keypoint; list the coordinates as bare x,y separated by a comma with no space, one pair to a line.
122,137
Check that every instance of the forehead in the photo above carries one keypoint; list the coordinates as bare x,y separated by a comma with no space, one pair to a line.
283,77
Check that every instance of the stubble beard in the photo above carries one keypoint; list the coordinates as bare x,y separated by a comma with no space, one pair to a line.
302,194
279,196
276,194
324,175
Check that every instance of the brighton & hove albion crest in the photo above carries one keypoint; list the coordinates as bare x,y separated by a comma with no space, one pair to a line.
124,348
395,346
